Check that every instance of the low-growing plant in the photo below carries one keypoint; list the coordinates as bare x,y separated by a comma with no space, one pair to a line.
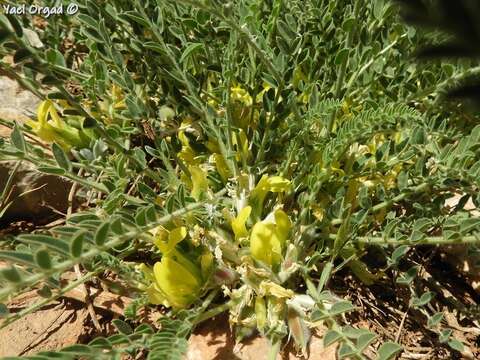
232,157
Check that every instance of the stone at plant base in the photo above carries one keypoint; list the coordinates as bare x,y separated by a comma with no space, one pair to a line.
213,340
43,194
16,104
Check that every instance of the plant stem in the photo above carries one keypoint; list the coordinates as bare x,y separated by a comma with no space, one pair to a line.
211,313
431,240
274,350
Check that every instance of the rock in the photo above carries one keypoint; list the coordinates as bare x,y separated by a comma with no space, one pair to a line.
50,328
36,196
213,340
16,105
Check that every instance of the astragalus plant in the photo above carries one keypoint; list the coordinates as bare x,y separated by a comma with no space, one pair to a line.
233,157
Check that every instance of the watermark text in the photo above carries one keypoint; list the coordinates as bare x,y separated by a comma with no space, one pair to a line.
45,11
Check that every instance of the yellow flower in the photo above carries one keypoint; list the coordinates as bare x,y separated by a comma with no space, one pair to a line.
268,238
240,94
238,223
241,142
167,240
51,128
199,181
272,183
187,154
179,284
276,184
221,166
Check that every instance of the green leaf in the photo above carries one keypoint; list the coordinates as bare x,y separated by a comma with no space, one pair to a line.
78,349
17,256
51,170
151,214
119,339
146,191
424,299
341,56
348,24
122,327
76,245
345,350
93,34
100,343
456,345
87,20
42,258
365,340
364,198
17,139
117,226
340,308
101,234
57,95
330,337
445,335
44,292
15,24
140,218
354,333
378,8
57,245
137,17
388,350
11,274
61,157
402,180
55,57
285,31
398,253
408,276
435,319
325,276
190,50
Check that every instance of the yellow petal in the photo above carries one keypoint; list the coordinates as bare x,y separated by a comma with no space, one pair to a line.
273,183
199,182
221,166
42,111
176,282
177,235
206,263
56,118
167,240
277,184
155,296
283,225
187,154
265,245
238,224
